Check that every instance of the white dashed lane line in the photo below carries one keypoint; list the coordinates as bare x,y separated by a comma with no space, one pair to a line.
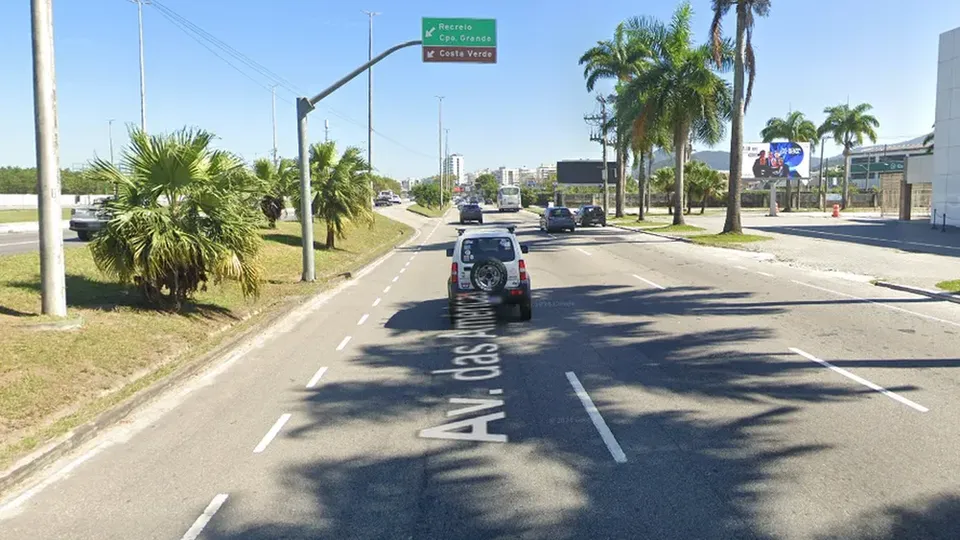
648,282
268,438
402,270
585,252
363,319
598,422
316,377
376,302
765,274
386,289
194,531
343,343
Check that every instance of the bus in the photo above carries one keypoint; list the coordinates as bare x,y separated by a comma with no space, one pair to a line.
508,199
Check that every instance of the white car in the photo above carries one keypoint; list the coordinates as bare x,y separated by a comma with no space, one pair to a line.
490,260
395,199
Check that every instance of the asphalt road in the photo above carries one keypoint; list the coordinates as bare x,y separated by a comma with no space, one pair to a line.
662,390
12,243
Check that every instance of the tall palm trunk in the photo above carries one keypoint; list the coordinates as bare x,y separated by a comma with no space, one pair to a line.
641,185
680,137
787,208
649,176
846,177
621,182
732,223
331,236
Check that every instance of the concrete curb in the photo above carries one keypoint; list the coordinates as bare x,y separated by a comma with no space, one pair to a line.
920,291
659,235
54,450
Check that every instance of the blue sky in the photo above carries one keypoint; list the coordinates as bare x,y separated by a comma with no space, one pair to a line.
525,110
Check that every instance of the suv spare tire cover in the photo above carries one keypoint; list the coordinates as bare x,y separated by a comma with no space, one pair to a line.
489,275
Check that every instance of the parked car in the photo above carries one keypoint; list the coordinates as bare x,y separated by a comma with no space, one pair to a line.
471,212
558,218
88,220
590,214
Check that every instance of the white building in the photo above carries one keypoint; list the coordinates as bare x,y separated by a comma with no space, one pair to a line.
453,168
544,172
946,138
507,176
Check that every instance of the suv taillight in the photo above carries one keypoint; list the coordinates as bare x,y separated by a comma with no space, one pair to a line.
454,273
523,270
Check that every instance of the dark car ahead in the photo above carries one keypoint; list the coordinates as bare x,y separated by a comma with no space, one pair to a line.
590,214
557,218
471,212
88,220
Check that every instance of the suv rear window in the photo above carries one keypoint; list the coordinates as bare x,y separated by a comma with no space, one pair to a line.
477,249
560,212
592,210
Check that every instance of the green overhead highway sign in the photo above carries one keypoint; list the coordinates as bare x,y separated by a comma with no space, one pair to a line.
459,40
881,166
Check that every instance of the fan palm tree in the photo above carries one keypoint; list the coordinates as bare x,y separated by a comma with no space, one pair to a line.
794,128
849,126
343,193
681,90
704,183
277,182
745,67
182,216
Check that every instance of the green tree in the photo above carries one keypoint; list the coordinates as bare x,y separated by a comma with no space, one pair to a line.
343,193
703,183
683,91
426,194
181,217
488,185
384,183
794,128
276,182
663,180
849,126
745,67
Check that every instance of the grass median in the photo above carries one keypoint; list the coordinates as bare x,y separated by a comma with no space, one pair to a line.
952,286
428,211
27,214
727,239
53,381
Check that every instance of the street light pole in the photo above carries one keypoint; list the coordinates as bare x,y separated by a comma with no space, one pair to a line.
53,294
273,91
370,15
143,80
440,142
110,134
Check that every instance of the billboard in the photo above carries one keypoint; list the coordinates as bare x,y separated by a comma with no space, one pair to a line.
585,172
775,160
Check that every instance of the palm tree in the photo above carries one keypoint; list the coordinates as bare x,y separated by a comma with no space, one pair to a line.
182,216
344,190
704,182
663,180
928,140
794,128
745,66
849,126
681,90
277,182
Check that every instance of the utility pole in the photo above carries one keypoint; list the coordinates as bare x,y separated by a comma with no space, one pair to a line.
110,134
603,135
440,142
370,15
326,131
52,279
273,92
143,80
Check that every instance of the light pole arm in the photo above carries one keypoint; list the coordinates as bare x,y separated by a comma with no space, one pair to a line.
333,88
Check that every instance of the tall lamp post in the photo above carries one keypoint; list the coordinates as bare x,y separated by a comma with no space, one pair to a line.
440,142
143,80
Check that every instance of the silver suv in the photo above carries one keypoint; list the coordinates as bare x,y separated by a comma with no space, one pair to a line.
489,260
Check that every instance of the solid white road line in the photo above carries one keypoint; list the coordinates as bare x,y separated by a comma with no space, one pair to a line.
386,289
277,426
800,229
585,252
888,306
316,377
764,274
648,282
376,302
861,380
194,531
598,421
343,343
363,319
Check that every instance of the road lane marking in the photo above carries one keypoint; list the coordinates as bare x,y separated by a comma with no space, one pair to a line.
888,306
402,270
316,377
194,531
924,244
406,264
386,289
585,252
343,343
550,235
363,319
19,243
376,302
598,421
861,380
268,438
764,274
395,278
740,267
648,282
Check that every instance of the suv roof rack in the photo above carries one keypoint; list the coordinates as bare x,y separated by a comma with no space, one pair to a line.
510,228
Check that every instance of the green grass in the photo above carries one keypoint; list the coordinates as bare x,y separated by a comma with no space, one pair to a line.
535,209
952,286
727,240
30,214
50,382
677,229
428,211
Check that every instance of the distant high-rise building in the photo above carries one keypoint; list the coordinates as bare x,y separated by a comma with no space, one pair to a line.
507,176
453,168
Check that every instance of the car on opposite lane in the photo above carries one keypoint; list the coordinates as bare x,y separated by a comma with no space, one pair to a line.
471,212
557,218
489,260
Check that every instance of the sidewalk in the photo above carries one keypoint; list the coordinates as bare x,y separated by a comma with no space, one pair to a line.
26,226
907,253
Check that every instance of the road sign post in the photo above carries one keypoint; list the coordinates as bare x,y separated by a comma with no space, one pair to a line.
470,41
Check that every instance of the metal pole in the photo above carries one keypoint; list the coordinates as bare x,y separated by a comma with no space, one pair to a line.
606,191
440,142
273,91
822,195
110,133
52,279
143,79
306,197
326,131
